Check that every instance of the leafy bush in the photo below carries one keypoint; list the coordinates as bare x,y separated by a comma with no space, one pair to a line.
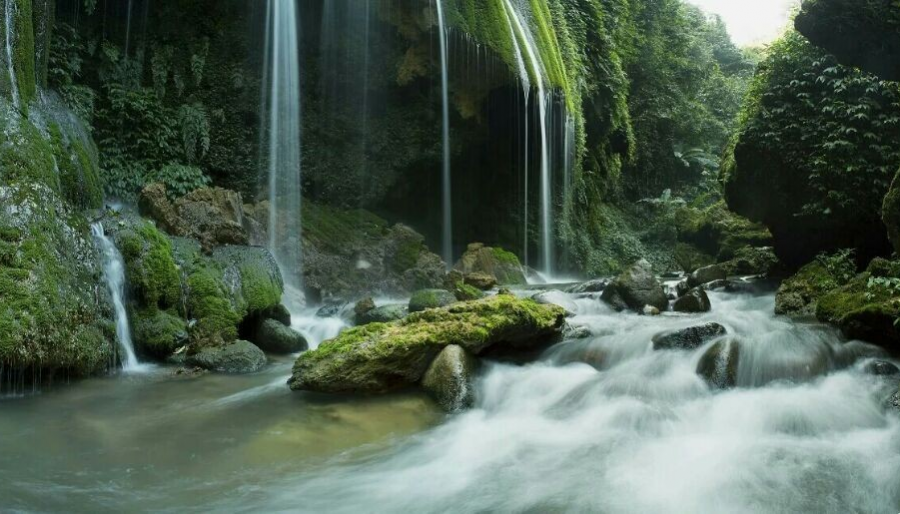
179,179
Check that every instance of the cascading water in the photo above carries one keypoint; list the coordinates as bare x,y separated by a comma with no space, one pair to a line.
445,126
114,275
282,100
523,39
9,25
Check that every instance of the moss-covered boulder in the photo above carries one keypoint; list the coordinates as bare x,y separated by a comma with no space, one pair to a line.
706,275
159,332
274,337
494,262
430,299
752,261
464,292
694,301
715,231
799,294
449,378
235,357
384,357
383,314
635,289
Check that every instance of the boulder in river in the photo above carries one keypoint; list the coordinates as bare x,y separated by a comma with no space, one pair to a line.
464,292
636,288
694,301
706,275
719,365
495,262
235,357
482,281
449,378
688,338
273,337
591,286
430,299
881,368
383,357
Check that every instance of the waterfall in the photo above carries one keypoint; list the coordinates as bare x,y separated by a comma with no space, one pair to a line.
282,70
9,23
128,28
445,105
523,39
114,275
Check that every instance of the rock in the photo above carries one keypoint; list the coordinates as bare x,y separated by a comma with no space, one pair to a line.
890,213
650,310
279,313
430,299
682,288
635,289
273,337
707,275
752,261
694,301
386,357
881,368
691,258
449,378
363,307
496,262
332,309
894,401
688,338
584,351
719,365
799,295
154,204
384,314
554,297
576,332
252,277
481,281
235,357
591,286
157,334
464,292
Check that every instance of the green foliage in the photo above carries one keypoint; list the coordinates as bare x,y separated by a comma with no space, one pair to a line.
179,179
841,266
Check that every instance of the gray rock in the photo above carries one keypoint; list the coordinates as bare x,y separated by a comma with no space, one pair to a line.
688,338
383,314
719,365
449,378
707,275
695,301
430,299
235,357
635,289
881,369
273,337
591,286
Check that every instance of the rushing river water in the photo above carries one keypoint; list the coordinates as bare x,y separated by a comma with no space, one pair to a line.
638,431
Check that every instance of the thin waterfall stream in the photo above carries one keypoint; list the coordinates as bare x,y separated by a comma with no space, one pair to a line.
9,32
114,275
447,183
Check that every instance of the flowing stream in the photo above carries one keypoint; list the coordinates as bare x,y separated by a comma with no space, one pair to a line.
636,430
282,104
114,275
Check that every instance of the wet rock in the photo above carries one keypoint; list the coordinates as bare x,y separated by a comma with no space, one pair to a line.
158,333
719,365
386,357
576,332
464,292
582,351
650,310
279,313
799,295
688,338
332,309
894,401
363,307
495,262
850,353
482,281
553,297
430,299
881,368
752,261
236,357
383,314
635,289
682,288
449,378
591,286
273,337
706,275
694,301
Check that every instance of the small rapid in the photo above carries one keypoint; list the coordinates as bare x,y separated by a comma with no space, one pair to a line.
114,276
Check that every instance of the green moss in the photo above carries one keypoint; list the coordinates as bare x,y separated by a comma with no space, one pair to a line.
504,257
149,266
464,292
430,299
407,255
335,230
78,173
23,51
158,333
25,156
866,308
260,291
208,303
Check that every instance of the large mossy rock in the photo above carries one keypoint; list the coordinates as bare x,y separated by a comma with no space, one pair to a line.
715,231
861,34
430,299
235,357
635,289
383,314
493,262
379,358
799,295
450,378
274,337
694,301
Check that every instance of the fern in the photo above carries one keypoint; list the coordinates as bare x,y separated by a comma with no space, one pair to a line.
194,125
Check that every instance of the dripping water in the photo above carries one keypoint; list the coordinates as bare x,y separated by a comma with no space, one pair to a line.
114,275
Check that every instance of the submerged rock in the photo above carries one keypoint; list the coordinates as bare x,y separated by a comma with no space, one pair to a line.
273,337
694,301
881,368
449,378
235,357
591,286
636,288
430,299
494,262
383,314
385,357
719,365
688,338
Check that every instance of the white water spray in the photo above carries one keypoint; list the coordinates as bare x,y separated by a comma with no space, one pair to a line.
445,106
9,21
282,67
114,275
